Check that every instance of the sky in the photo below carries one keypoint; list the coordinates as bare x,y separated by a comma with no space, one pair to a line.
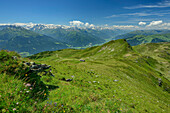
118,13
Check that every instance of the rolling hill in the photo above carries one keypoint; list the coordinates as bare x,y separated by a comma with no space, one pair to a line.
159,51
113,77
141,32
140,39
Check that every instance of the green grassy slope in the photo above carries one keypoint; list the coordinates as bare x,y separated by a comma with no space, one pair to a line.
20,90
140,39
114,48
114,77
158,51
141,32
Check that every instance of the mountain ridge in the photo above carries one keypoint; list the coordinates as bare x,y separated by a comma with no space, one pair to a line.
141,32
22,40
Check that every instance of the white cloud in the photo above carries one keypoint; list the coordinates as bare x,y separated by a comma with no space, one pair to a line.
146,14
76,23
158,5
142,23
20,24
92,25
158,25
112,16
87,24
154,23
162,26
81,24
3,24
125,26
166,24
142,14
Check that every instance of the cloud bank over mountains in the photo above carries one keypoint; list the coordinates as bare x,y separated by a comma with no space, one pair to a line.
142,23
83,25
154,23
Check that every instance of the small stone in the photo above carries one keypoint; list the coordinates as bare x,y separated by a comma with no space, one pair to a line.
82,60
34,67
32,63
68,80
115,80
28,85
52,75
14,57
27,63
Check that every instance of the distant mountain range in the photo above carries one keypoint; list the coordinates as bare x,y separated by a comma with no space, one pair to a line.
37,38
140,39
78,37
141,32
22,40
73,37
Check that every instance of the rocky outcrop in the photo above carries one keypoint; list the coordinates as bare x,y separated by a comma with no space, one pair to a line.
33,67
160,82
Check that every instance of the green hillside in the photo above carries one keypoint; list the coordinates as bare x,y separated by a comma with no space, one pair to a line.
141,32
114,77
140,39
159,51
20,87
25,41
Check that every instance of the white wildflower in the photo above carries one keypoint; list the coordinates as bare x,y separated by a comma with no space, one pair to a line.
14,109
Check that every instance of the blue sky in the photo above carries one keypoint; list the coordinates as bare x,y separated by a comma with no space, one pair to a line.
97,12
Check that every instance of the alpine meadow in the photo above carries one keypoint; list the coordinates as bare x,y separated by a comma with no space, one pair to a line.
85,56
